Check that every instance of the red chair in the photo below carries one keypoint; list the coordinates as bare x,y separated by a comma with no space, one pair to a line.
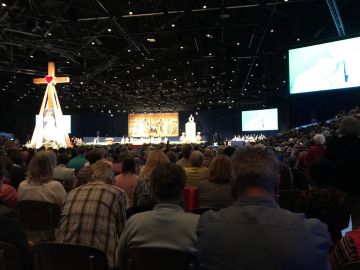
191,198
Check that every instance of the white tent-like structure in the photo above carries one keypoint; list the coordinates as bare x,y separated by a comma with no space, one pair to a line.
50,129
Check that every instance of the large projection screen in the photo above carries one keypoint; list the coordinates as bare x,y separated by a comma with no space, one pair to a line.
153,125
259,120
328,66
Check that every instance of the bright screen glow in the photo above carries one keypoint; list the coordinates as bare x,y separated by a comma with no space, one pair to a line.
327,66
153,124
260,120
66,120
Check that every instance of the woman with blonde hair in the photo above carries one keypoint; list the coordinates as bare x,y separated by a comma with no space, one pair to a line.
39,184
215,192
141,194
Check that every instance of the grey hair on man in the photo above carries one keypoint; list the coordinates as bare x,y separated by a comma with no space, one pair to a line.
196,158
255,168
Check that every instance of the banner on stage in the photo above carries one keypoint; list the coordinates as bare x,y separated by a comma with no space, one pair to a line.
153,125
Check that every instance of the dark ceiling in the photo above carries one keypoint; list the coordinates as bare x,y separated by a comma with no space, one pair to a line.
158,55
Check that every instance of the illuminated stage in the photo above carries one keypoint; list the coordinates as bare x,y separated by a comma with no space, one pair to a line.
152,128
133,141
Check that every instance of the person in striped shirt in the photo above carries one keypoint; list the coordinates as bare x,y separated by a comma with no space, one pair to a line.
346,250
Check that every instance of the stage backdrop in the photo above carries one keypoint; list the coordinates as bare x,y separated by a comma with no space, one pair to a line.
153,124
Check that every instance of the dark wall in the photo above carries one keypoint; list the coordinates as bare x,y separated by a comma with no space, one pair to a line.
20,122
87,124
309,107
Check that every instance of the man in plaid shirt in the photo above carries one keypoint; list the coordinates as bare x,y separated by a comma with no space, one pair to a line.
95,214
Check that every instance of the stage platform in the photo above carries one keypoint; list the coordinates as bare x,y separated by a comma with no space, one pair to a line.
133,141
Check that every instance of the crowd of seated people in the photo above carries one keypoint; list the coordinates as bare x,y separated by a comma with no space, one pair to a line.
98,188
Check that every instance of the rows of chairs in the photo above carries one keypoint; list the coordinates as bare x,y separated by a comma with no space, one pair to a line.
59,256
39,216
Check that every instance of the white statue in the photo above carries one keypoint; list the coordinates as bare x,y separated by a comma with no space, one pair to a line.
190,130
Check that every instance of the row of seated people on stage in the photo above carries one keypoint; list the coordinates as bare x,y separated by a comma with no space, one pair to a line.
242,186
248,138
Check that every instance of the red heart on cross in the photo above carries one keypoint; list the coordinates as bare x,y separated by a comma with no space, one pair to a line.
48,78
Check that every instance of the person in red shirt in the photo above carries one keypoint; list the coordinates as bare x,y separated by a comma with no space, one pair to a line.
346,250
316,151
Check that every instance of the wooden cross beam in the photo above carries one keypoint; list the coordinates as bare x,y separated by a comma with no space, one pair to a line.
51,78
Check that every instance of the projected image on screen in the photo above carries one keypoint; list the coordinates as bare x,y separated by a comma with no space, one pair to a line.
327,66
260,120
153,125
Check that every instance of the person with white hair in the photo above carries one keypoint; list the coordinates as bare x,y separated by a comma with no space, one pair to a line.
317,150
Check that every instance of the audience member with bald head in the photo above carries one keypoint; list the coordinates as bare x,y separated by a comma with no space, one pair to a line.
196,172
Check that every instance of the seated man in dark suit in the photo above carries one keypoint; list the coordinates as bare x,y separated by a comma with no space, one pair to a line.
11,230
256,233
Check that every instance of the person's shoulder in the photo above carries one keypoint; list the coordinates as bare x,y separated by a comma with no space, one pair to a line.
299,222
23,184
213,216
190,217
53,183
204,183
204,169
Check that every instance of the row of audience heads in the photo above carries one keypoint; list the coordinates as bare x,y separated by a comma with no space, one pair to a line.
249,166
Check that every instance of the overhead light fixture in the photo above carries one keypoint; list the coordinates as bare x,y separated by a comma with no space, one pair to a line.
272,30
151,40
238,44
31,56
181,47
298,39
109,29
172,25
3,4
93,43
129,50
49,34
